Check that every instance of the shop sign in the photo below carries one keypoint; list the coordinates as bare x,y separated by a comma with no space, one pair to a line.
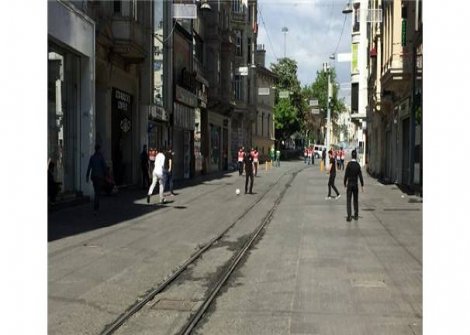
125,125
186,97
157,113
183,116
122,100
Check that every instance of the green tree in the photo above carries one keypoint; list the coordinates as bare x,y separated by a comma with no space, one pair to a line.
319,90
287,111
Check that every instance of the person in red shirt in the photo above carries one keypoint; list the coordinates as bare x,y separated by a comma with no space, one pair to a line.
241,156
255,155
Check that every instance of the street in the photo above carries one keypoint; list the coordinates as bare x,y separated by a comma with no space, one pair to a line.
307,272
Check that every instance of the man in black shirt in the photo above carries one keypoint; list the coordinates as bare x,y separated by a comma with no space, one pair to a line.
168,169
97,168
353,170
248,161
331,180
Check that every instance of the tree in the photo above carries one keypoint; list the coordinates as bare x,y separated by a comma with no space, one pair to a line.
287,111
319,91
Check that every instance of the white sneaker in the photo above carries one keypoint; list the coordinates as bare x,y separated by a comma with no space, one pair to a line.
328,198
339,196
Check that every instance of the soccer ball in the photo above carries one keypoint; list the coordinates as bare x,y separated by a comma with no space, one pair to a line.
237,191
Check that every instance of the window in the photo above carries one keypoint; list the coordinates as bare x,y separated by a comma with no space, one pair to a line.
249,51
237,6
262,125
269,125
239,42
117,7
238,87
354,98
357,17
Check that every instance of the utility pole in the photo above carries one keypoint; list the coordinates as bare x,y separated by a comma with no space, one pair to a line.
285,30
326,67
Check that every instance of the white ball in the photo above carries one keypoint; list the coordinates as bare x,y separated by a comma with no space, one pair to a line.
237,191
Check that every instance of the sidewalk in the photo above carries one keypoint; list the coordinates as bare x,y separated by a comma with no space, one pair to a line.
77,217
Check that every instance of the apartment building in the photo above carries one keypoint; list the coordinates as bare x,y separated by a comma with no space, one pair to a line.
71,83
263,127
245,27
359,83
395,80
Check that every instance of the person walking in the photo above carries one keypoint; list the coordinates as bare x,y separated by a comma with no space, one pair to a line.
331,180
144,164
168,170
97,169
248,161
309,155
255,160
157,175
353,171
278,157
343,155
241,156
323,157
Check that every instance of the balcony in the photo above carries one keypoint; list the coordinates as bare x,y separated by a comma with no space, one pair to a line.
129,39
396,73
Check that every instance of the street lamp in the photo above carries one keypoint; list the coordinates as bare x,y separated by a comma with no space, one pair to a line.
348,9
285,30
205,6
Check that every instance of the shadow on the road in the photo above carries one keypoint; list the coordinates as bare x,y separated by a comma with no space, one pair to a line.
128,204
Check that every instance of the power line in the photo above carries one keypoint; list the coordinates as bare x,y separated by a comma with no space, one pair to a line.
342,30
266,29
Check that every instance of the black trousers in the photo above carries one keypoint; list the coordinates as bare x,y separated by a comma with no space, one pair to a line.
145,177
331,184
352,191
97,187
240,168
249,175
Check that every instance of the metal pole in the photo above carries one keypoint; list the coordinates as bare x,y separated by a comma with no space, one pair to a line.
285,30
285,45
328,111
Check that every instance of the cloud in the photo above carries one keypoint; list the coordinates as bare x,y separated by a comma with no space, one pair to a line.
314,30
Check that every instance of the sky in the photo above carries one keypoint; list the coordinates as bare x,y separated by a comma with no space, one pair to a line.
316,29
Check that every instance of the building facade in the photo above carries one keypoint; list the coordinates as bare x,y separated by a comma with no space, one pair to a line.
263,126
359,75
395,108
71,111
127,73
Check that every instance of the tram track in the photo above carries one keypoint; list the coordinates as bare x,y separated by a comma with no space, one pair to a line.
196,317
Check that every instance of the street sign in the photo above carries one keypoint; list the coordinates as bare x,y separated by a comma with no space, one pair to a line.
284,94
242,70
313,103
184,11
263,90
315,111
344,57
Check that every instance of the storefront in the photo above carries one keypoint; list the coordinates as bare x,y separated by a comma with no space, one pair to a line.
70,93
183,132
158,134
219,156
121,136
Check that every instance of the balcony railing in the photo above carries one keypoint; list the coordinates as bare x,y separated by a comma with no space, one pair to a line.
128,39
